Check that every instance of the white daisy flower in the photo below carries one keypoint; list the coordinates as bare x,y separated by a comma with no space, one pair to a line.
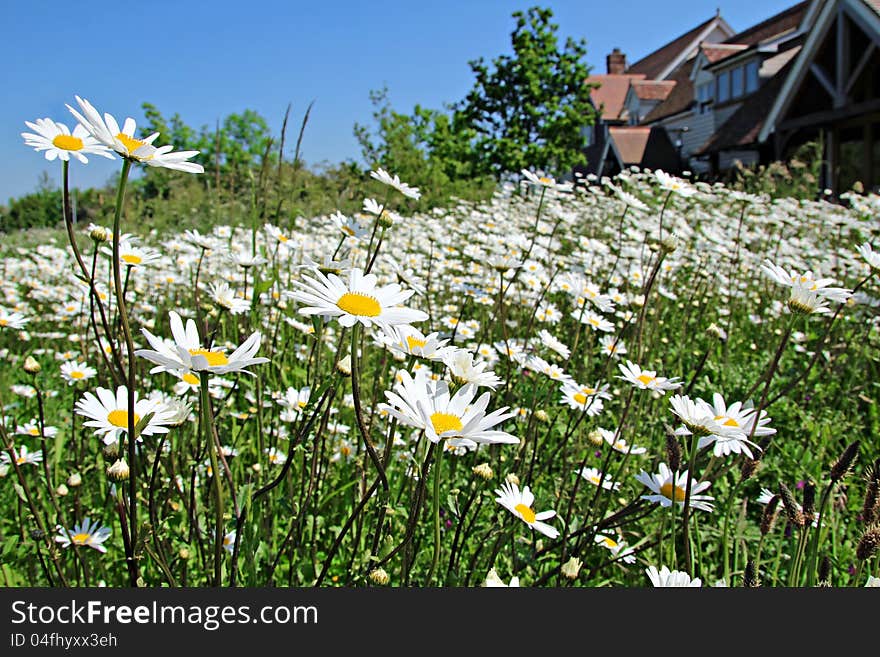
393,181
12,320
494,581
647,379
870,256
519,503
668,487
22,456
225,297
188,354
32,428
408,340
357,300
87,533
122,140
595,477
676,578
58,142
617,547
108,413
74,371
584,398
550,341
463,369
427,405
673,184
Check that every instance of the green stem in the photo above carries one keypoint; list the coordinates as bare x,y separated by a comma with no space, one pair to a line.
130,437
436,557
685,516
207,422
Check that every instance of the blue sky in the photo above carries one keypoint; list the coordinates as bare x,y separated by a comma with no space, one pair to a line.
205,60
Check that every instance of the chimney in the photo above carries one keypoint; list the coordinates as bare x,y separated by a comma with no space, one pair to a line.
616,62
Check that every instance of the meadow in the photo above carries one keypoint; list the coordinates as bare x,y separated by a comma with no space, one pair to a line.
617,382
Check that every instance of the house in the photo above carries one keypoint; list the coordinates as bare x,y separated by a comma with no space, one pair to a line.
831,91
720,99
722,90
625,95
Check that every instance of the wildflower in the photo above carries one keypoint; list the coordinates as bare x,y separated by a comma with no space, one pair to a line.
408,340
379,576
675,578
612,346
870,256
22,456
668,487
394,181
187,354
541,180
357,300
12,320
85,533
494,581
553,344
349,226
427,405
596,477
463,369
32,428
123,141
571,568
132,255
58,142
519,503
483,471
224,296
673,184
647,379
119,471
108,413
806,290
617,547
229,542
74,371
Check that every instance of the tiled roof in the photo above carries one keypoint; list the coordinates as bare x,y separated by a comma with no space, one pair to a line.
874,4
680,99
653,65
630,142
715,52
611,93
785,20
743,126
653,89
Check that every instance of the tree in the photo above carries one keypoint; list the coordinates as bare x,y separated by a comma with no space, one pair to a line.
527,110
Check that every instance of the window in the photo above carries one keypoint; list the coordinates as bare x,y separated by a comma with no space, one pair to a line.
704,97
723,93
587,133
752,80
736,82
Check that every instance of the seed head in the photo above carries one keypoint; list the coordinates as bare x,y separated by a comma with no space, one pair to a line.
795,515
673,451
769,517
379,576
869,543
749,468
572,567
750,576
809,501
825,571
843,464
872,494
484,471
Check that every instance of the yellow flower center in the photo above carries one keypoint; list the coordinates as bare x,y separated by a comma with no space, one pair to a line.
594,480
80,539
580,398
729,422
527,514
34,431
4,322
132,259
68,143
412,342
191,379
355,303
214,358
674,493
119,418
545,180
609,542
445,422
646,379
20,460
131,144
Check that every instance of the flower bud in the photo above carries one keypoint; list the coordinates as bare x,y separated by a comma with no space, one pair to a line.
595,437
343,366
512,478
111,451
62,490
869,544
31,366
119,471
74,480
379,576
484,471
572,568
844,463
541,416
183,553
100,234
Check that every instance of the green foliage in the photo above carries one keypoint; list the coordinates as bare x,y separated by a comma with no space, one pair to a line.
426,149
43,208
527,110
798,178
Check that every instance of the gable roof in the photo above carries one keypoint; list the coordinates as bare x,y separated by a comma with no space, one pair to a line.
653,89
715,52
610,95
821,15
784,21
630,142
660,63
680,98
